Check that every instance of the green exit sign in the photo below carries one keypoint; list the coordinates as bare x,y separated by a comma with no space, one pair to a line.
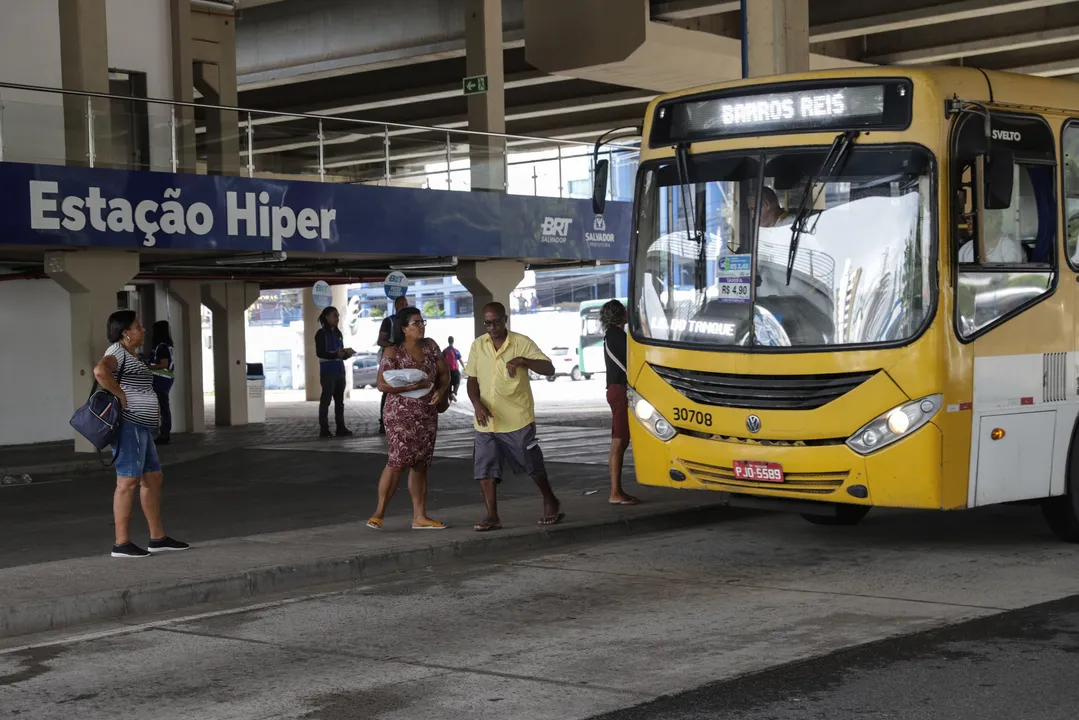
475,85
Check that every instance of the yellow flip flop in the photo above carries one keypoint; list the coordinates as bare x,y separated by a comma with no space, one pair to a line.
429,525
374,523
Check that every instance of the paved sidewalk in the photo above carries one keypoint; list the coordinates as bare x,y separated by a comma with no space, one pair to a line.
63,593
275,517
286,422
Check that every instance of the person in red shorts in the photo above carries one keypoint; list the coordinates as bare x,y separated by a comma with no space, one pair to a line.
613,317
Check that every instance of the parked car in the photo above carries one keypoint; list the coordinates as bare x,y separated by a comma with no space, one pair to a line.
565,363
364,371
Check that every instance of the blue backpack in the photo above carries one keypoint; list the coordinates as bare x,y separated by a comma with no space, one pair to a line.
99,419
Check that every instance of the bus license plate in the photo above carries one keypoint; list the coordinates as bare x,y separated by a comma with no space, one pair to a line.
758,471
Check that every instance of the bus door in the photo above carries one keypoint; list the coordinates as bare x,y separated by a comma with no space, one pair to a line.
1008,307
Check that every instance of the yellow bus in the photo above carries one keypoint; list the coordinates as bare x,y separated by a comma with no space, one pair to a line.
858,288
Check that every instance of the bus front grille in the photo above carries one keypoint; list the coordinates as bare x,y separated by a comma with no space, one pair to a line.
805,483
761,392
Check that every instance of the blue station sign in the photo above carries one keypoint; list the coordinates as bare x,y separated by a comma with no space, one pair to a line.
84,207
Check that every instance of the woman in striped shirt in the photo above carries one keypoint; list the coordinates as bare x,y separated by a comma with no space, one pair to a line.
123,374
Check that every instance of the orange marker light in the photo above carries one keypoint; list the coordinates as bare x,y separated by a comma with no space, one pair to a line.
997,433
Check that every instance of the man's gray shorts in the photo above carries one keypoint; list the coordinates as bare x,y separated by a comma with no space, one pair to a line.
520,448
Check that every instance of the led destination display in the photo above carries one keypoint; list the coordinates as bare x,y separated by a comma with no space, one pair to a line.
797,110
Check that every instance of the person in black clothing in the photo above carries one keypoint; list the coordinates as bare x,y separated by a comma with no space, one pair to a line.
613,317
332,353
384,333
163,365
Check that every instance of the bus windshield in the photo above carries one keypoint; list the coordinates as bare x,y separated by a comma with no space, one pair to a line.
712,251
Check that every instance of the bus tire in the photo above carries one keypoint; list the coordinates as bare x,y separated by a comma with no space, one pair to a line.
551,378
575,374
1061,513
845,516
587,376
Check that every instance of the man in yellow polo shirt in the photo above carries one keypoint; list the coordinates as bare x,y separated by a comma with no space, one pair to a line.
501,394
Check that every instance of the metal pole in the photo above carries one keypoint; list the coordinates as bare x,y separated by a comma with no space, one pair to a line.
174,157
560,194
250,147
321,153
449,176
1,129
91,144
386,151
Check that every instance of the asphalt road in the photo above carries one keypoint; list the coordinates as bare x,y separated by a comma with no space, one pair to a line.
1019,664
753,617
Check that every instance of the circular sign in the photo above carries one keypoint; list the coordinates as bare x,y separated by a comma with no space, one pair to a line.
321,295
396,284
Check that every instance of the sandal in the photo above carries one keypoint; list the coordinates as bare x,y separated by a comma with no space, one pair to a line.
553,519
630,500
429,525
374,523
487,526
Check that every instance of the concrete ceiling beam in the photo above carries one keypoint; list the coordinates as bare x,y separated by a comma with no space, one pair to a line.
988,46
935,15
692,9
1058,68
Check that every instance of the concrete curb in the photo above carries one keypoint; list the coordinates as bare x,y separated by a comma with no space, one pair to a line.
64,612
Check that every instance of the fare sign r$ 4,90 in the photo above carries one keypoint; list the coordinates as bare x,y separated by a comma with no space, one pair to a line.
396,284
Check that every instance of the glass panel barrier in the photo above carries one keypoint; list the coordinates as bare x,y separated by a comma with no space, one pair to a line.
51,127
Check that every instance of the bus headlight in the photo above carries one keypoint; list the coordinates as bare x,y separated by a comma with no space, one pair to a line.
649,416
894,424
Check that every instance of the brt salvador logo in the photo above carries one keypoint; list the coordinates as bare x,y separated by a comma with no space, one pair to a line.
555,230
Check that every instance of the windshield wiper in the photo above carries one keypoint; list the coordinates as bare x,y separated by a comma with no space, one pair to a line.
833,164
681,163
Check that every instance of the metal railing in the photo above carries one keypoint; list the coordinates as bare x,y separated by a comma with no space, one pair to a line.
54,126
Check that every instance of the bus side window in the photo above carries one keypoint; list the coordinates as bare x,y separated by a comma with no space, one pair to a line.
1070,152
1019,245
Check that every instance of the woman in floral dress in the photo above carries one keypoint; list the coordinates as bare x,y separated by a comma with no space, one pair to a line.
411,423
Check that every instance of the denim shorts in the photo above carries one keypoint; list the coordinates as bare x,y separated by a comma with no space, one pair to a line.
137,453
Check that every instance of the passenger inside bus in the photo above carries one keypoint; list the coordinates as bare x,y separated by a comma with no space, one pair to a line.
772,213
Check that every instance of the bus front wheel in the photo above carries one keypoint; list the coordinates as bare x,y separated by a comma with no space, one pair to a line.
845,515
1062,512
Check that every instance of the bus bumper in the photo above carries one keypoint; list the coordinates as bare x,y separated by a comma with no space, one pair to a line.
905,474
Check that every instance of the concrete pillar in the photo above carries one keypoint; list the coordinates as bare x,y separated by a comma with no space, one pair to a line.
340,301
183,82
486,111
778,36
214,75
188,293
229,302
92,278
489,281
312,386
84,63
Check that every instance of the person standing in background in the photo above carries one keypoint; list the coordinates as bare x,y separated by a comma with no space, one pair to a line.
332,353
384,341
453,362
163,365
613,318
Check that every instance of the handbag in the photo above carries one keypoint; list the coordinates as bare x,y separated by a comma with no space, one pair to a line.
98,420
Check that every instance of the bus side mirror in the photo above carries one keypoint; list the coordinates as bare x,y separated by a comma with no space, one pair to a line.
599,188
999,179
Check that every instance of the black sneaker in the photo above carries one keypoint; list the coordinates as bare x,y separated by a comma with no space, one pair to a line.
344,432
128,550
166,544
325,433
163,441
